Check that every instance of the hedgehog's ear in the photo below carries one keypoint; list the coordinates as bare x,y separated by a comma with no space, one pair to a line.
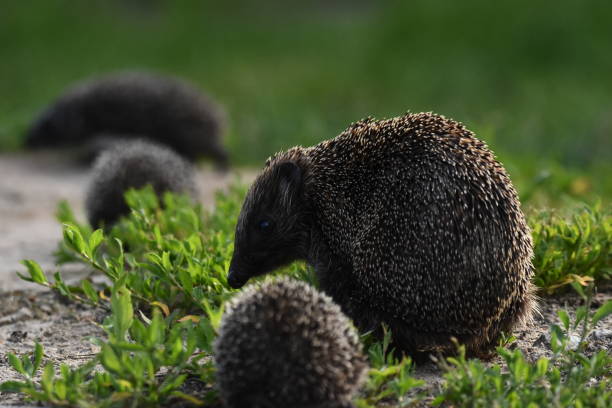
290,180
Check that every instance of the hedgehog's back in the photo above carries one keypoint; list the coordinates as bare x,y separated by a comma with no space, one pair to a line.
431,223
133,164
163,109
286,344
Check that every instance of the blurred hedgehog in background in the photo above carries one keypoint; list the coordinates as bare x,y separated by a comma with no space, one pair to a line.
133,164
166,110
285,344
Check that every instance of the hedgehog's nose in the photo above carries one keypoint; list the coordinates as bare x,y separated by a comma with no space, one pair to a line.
235,280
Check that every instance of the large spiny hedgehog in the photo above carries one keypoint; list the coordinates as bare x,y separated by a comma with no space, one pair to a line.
285,344
133,164
163,109
408,221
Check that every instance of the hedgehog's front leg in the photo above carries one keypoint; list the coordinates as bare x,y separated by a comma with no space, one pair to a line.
337,280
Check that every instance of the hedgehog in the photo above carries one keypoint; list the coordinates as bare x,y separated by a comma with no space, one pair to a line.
133,164
409,222
166,110
285,344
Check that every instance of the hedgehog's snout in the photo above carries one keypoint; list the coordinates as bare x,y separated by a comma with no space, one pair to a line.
236,280
35,136
236,277
241,266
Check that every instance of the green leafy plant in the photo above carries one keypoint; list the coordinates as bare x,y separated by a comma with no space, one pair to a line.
569,379
128,369
389,378
577,248
168,257
167,286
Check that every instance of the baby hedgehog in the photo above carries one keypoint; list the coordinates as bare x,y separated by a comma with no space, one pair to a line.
408,221
285,344
133,164
138,105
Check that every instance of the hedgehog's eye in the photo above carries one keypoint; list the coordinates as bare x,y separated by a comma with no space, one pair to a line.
264,225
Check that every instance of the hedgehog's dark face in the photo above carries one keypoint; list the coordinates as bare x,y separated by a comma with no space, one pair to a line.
55,127
42,132
271,229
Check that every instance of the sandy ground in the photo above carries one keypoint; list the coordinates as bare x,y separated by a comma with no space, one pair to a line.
30,188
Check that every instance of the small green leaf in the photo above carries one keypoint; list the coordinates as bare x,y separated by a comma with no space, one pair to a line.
581,314
64,370
46,380
89,291
60,390
155,330
28,367
36,273
175,348
189,398
578,288
603,311
109,359
541,366
38,355
120,257
166,264
158,236
61,286
185,279
564,317
171,383
13,386
74,238
96,238
124,345
214,314
15,362
122,312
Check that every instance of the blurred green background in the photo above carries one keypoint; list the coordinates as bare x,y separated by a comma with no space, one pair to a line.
531,78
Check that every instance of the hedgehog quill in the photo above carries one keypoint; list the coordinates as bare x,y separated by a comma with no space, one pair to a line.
133,105
134,164
285,344
409,221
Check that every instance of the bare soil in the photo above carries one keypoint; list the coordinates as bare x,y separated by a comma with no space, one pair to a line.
30,188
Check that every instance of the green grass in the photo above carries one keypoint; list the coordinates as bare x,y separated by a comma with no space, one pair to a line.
532,79
572,247
560,381
167,269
